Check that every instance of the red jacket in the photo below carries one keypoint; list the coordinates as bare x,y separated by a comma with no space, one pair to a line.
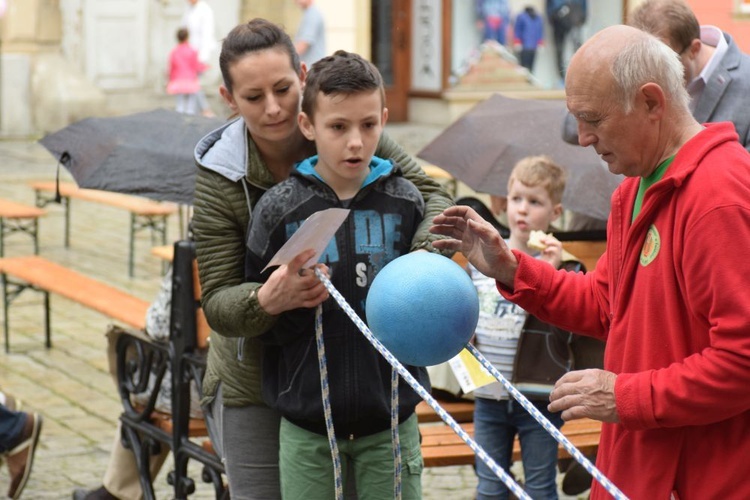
674,308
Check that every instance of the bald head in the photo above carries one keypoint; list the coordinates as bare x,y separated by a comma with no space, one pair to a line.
624,87
627,58
601,49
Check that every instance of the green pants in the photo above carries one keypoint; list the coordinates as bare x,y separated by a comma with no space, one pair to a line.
306,466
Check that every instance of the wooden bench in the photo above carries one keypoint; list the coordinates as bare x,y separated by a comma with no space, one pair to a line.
139,358
462,411
164,252
19,218
47,277
441,446
587,252
144,213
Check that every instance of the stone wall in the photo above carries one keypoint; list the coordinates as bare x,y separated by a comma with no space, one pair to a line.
39,90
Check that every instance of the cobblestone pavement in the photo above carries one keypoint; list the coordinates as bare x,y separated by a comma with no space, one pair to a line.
69,384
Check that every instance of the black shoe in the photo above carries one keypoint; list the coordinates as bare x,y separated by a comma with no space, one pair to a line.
576,479
21,457
98,494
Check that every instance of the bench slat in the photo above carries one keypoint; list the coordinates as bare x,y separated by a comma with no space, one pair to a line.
196,426
54,278
587,252
441,446
14,210
461,411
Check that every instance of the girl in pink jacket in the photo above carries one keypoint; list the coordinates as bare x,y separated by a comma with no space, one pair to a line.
184,68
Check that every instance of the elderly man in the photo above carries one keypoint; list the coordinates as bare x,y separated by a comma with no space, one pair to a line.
717,73
669,295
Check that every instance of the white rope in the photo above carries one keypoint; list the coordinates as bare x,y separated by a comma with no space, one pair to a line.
409,378
549,427
326,398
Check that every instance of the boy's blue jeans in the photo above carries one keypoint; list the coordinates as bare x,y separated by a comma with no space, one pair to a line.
496,423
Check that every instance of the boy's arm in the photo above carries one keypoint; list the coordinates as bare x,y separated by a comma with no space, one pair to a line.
435,198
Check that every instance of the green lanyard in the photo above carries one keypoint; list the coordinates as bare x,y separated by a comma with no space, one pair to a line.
647,182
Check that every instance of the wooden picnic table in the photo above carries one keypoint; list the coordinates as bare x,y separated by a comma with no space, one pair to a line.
144,213
18,217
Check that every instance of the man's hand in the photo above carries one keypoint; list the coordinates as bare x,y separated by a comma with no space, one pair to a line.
290,287
478,240
585,393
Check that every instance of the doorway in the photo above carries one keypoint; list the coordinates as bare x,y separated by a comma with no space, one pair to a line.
391,21
116,43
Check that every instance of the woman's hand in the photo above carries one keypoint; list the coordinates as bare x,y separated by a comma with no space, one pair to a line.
291,287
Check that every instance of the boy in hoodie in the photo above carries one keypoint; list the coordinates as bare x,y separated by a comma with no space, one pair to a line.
343,111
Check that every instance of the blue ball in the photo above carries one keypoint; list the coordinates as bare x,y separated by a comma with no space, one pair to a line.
423,307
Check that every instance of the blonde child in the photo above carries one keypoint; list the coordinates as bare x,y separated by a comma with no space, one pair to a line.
531,354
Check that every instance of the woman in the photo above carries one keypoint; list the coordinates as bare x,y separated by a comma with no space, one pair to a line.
263,79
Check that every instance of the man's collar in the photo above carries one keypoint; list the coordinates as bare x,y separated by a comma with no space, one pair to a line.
712,36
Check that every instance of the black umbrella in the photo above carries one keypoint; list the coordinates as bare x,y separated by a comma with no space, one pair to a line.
481,148
147,154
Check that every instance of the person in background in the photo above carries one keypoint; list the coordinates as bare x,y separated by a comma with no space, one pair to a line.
566,18
263,80
493,19
667,296
717,73
310,39
19,439
184,68
529,353
528,36
198,19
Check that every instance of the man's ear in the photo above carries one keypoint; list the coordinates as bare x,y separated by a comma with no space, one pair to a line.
694,48
306,126
652,95
385,117
228,98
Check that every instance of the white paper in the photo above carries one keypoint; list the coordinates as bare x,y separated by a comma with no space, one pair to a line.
314,233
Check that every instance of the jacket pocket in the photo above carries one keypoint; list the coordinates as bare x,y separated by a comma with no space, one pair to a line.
295,362
411,448
414,465
290,375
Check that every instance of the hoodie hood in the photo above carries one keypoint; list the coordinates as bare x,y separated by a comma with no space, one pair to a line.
218,150
379,167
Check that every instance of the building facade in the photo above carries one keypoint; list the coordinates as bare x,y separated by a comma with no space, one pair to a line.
61,59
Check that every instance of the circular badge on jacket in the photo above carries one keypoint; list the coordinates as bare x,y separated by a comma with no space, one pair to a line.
651,246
